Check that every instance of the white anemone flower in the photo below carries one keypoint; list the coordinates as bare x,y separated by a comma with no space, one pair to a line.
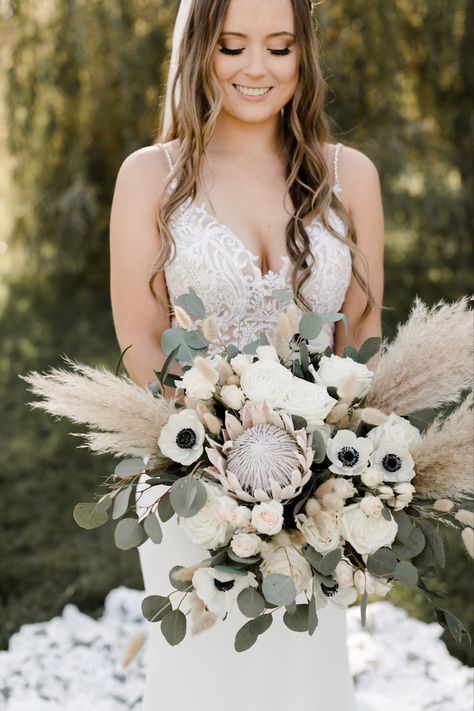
263,457
219,589
337,595
182,438
348,453
393,461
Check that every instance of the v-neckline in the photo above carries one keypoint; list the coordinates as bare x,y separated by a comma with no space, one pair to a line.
254,257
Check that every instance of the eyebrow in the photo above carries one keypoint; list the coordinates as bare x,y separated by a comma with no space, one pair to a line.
273,34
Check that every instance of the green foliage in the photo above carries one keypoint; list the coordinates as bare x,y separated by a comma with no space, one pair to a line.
81,86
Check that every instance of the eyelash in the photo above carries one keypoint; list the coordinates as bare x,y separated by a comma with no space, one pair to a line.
233,52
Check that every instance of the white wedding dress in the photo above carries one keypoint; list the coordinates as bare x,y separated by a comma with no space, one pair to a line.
284,670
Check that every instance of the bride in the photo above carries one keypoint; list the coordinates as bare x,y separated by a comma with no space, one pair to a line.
243,193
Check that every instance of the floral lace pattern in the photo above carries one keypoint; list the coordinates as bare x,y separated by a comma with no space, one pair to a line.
226,275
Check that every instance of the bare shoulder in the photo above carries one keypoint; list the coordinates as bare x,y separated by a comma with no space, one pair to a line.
144,172
358,177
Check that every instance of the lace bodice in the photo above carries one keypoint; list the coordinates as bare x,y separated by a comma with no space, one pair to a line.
225,273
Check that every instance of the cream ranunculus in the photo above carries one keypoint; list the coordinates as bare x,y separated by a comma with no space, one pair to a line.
286,560
232,396
200,382
395,429
365,581
321,530
344,574
240,362
307,400
267,353
371,477
366,533
182,438
333,369
266,380
245,545
371,505
268,517
210,527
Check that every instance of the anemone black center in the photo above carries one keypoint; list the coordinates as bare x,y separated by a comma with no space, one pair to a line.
392,462
186,438
349,456
224,586
329,592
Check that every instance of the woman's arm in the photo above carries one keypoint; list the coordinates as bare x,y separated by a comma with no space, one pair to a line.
139,318
362,196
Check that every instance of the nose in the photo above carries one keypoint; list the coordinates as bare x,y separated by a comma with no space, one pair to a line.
256,65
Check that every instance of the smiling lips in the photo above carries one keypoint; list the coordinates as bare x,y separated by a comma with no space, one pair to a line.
250,91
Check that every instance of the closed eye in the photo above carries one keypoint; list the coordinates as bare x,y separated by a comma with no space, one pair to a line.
233,52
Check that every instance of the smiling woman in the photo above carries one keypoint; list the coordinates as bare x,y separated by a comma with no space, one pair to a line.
244,193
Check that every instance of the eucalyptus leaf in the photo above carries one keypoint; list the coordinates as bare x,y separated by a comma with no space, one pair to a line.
87,516
165,510
382,562
310,326
329,562
333,317
181,585
128,534
188,496
421,419
351,352
297,621
405,526
128,467
312,616
196,340
386,513
369,348
155,607
406,573
279,589
318,443
251,560
413,546
104,504
251,603
230,569
244,639
304,356
152,527
172,339
192,304
312,556
363,608
259,625
251,348
456,627
121,502
282,294
299,422
437,546
173,627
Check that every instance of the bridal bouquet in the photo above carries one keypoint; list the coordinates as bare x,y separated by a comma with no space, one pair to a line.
310,479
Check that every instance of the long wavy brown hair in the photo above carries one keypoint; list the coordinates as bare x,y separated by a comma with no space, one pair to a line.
303,131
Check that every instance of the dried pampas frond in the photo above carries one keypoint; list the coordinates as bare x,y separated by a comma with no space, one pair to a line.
444,461
129,418
428,363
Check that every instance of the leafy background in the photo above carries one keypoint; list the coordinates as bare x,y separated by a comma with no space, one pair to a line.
81,84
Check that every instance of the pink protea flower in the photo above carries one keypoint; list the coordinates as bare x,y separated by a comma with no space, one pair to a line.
263,457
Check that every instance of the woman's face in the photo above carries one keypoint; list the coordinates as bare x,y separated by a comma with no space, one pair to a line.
257,50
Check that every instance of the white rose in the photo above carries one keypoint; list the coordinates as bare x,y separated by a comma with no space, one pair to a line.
240,517
266,380
344,574
210,527
240,362
278,562
371,477
268,517
267,353
245,545
321,531
371,505
366,533
232,396
198,382
395,429
307,400
333,369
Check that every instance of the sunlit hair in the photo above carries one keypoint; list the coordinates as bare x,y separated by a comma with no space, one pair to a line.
304,129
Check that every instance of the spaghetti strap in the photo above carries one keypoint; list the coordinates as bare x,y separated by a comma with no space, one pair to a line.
167,154
336,166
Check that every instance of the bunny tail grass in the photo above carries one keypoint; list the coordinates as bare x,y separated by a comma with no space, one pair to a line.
128,417
428,363
444,461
